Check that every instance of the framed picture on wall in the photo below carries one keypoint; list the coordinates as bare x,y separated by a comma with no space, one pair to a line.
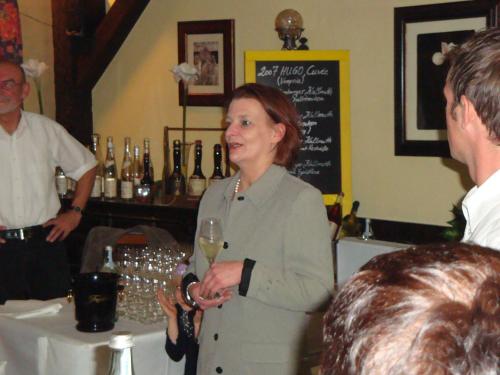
422,36
209,46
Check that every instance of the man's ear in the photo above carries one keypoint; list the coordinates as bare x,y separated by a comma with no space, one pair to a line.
25,90
468,114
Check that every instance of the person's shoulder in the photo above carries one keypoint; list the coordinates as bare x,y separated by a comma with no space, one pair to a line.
218,187
295,185
39,121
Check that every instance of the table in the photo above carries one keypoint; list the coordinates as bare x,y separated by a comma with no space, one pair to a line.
352,253
53,346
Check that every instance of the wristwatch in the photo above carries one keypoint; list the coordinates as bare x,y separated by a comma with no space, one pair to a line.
77,209
189,300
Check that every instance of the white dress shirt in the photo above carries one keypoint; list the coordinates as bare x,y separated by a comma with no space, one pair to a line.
481,208
28,158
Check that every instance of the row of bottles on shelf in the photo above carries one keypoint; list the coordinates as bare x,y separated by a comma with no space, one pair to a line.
196,184
348,225
136,179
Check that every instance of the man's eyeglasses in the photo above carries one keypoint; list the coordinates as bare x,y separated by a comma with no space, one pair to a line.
9,84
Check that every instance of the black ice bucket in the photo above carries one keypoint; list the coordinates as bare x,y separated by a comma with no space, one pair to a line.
95,296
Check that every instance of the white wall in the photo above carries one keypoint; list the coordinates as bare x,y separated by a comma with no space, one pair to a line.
137,95
36,28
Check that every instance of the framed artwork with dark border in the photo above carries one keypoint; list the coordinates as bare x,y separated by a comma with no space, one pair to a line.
209,46
422,35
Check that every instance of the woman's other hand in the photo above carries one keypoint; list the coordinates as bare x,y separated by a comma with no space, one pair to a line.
167,304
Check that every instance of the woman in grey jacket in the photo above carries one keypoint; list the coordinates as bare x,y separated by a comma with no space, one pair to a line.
276,263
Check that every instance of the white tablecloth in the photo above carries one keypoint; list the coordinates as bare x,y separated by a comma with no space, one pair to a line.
352,253
52,346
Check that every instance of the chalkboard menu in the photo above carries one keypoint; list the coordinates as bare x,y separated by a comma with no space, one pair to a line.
314,86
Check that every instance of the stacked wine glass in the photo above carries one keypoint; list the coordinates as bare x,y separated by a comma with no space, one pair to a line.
143,271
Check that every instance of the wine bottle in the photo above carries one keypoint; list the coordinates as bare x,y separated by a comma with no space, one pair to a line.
95,148
197,181
217,175
127,183
368,233
147,142
61,183
121,344
176,182
109,265
137,167
145,188
110,171
350,225
335,217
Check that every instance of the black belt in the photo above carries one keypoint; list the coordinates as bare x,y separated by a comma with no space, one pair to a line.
25,234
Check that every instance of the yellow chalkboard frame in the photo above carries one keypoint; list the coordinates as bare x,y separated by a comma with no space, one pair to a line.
252,57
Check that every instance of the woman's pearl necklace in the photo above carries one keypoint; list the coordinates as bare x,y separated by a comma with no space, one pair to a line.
237,186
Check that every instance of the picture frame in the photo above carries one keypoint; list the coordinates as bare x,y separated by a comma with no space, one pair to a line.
422,34
209,46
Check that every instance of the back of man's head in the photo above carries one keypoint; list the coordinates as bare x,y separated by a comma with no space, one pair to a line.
475,72
431,309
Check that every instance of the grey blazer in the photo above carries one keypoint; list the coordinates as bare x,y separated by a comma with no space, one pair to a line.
280,223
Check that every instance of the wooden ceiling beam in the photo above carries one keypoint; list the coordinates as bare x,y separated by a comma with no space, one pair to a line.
109,36
85,40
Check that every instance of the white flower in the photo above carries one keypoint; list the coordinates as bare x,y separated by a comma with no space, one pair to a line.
185,72
34,68
438,58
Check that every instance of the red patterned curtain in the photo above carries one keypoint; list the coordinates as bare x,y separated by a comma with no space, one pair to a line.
11,44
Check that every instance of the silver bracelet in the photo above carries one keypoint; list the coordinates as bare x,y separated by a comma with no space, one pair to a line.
189,300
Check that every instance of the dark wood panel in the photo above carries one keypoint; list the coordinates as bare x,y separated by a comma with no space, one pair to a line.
411,233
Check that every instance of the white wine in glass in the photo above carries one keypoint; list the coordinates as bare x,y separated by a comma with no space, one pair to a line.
210,238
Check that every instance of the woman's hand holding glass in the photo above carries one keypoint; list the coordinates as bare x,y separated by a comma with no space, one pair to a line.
206,303
220,277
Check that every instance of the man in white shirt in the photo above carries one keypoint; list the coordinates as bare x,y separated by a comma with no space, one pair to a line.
33,261
472,94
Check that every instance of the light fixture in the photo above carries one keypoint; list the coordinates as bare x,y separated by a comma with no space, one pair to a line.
289,26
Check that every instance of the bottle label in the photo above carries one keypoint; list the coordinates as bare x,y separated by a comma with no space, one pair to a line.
110,188
126,164
71,184
97,188
109,163
137,181
126,189
196,186
214,179
61,185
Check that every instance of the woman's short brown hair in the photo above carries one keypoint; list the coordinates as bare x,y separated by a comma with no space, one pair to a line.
281,110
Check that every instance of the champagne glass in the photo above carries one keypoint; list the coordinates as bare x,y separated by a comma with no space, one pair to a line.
210,238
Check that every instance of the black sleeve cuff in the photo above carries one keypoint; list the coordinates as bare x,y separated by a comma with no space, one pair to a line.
246,275
186,280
